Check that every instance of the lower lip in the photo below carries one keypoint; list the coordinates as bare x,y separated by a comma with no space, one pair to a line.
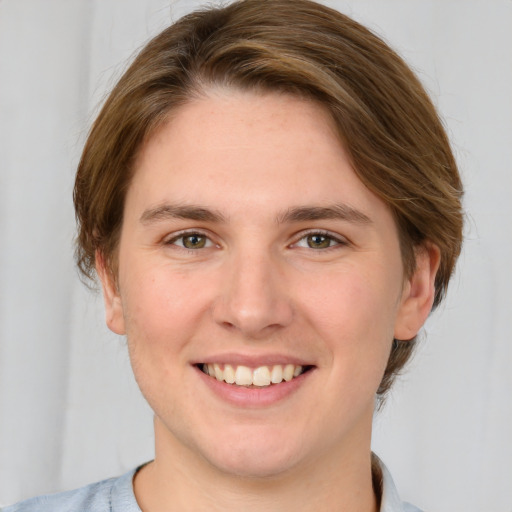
264,396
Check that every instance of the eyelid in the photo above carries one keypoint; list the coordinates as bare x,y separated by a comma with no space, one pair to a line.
339,239
171,239
336,237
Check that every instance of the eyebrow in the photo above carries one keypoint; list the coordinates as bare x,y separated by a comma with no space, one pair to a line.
335,211
176,211
296,214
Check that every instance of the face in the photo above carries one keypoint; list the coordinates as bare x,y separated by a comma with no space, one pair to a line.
260,286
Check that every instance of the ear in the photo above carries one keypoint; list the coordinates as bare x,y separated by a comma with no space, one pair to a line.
418,293
113,305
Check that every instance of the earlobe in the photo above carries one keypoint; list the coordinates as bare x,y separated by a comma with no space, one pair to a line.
113,306
418,294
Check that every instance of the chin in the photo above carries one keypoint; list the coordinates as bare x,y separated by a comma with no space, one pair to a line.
254,467
254,455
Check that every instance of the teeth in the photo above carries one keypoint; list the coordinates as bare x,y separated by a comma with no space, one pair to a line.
261,376
288,372
229,374
245,376
277,374
219,374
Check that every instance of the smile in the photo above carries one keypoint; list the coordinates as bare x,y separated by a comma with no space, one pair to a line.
260,377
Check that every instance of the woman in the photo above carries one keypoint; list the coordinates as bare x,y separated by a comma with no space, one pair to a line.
272,207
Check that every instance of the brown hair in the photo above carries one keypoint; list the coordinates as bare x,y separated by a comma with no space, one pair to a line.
386,121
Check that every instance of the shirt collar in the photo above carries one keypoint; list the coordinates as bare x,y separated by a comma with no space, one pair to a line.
122,498
390,500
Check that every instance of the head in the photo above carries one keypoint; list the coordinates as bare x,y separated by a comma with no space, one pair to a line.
383,117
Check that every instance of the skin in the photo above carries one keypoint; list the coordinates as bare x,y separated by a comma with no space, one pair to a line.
259,288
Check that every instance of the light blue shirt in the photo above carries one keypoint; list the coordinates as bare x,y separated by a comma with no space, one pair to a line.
116,495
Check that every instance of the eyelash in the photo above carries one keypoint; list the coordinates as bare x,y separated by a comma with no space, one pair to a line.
338,240
185,234
334,241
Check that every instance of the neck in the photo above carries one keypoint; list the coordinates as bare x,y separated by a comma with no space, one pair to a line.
178,480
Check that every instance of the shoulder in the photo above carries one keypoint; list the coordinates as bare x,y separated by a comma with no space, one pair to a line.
390,499
410,508
93,498
98,497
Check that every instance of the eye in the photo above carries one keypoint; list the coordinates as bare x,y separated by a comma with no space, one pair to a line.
319,241
191,241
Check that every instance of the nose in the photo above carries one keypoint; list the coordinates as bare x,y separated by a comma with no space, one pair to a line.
253,299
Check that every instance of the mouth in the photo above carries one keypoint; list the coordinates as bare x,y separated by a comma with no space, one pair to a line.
262,376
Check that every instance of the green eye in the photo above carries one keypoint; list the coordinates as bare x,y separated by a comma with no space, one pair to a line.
191,241
317,241
194,241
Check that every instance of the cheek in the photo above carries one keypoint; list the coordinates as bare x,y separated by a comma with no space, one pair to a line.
354,314
352,302
155,297
161,310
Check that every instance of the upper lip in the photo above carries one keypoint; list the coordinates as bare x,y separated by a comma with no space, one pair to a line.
253,361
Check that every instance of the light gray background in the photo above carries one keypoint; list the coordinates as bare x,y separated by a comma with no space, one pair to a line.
70,412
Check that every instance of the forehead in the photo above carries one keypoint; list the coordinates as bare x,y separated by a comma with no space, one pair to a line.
231,148
226,122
